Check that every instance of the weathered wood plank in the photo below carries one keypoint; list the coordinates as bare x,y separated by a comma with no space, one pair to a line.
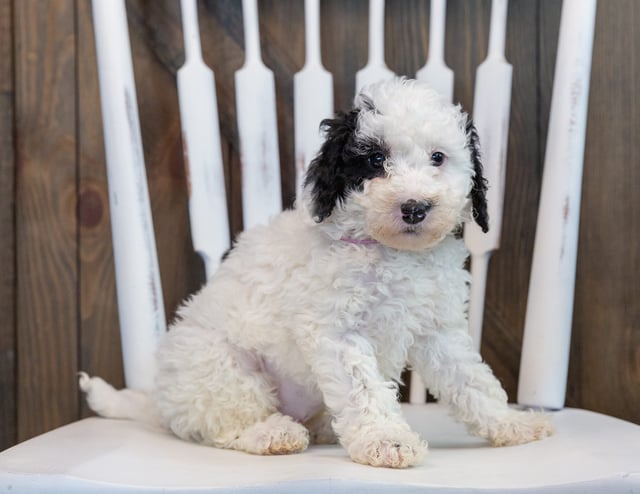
46,215
605,370
100,351
508,280
407,35
282,37
221,31
156,41
343,35
53,292
156,31
7,234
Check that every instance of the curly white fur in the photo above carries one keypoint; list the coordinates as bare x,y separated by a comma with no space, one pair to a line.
309,324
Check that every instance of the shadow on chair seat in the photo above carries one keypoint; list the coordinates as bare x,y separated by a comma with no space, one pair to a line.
589,453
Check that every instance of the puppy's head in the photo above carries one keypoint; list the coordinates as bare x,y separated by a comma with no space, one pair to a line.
401,168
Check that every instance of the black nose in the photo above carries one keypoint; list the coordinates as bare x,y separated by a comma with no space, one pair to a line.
413,212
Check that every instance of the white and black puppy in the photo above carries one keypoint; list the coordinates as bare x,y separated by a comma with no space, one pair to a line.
304,331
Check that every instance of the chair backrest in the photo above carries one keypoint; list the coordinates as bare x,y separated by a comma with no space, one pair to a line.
542,383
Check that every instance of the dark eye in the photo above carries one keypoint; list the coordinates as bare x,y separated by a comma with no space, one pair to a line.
438,158
376,159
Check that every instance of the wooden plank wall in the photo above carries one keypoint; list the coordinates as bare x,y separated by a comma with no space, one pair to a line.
57,293
7,233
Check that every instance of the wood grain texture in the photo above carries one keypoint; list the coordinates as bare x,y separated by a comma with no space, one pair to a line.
7,234
343,36
99,337
282,39
46,217
509,270
66,316
155,32
605,371
406,35
501,334
222,38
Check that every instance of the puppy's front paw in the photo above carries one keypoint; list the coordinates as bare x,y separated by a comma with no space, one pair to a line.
519,427
393,449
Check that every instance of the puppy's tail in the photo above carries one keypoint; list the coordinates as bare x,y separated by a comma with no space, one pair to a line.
109,402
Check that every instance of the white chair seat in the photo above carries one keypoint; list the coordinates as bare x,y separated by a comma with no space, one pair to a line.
590,452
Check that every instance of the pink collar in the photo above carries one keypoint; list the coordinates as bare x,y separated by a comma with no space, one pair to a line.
359,241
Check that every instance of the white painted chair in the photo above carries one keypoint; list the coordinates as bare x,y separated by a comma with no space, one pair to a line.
589,453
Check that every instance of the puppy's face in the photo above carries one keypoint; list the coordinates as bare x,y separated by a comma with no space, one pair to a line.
401,168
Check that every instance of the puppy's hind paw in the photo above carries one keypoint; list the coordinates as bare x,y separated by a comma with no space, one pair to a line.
520,427
397,450
109,402
277,435
321,429
101,397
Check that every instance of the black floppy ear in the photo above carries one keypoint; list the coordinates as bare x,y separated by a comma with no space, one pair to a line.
325,175
479,189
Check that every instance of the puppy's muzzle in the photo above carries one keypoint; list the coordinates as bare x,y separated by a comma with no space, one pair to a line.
414,212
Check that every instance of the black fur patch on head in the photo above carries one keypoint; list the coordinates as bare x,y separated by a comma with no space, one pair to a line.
479,189
342,165
367,103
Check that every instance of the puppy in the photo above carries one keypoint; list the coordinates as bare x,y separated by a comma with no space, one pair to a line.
302,334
